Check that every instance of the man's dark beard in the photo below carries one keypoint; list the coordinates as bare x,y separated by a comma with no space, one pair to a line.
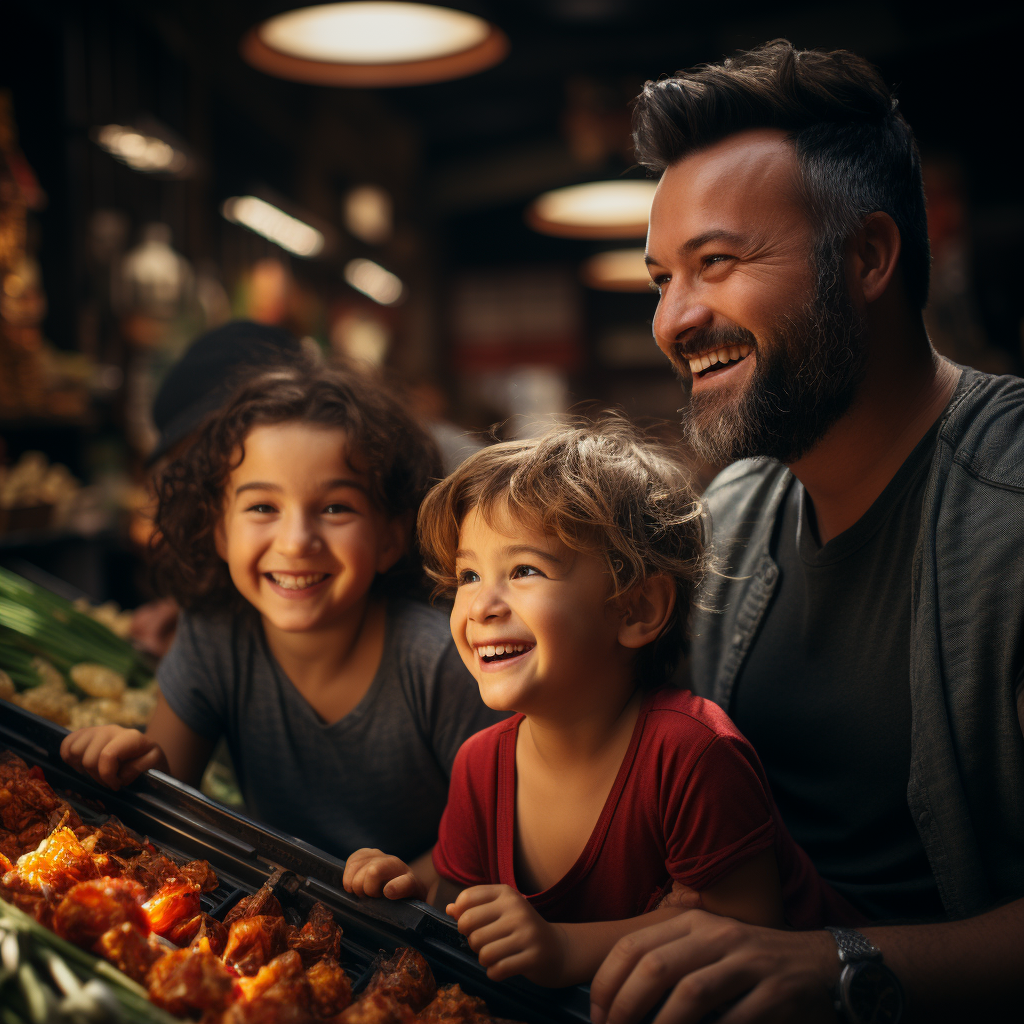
806,373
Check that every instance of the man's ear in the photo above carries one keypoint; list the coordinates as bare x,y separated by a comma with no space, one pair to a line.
646,610
395,541
874,255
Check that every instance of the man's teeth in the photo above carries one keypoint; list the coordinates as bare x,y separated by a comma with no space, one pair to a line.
297,582
492,650
728,354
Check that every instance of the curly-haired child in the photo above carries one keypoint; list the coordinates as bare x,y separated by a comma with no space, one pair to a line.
610,801
286,533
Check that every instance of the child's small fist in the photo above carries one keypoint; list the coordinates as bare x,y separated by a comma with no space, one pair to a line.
508,935
371,872
112,754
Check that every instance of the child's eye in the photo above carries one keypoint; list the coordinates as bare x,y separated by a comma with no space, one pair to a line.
261,508
521,571
466,576
337,509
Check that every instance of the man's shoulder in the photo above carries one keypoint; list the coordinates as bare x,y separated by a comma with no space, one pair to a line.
984,427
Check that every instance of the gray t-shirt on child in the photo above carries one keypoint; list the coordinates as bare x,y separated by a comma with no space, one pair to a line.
377,777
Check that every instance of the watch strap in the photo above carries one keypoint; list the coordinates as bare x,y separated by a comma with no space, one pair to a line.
852,946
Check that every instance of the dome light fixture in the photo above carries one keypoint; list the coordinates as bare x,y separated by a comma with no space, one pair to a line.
373,43
598,209
620,270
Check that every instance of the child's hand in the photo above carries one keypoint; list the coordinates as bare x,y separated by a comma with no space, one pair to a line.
508,935
112,754
375,873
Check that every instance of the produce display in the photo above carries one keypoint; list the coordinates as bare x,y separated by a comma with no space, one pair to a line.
65,663
72,891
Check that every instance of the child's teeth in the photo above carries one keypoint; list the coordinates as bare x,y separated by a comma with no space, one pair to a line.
489,651
297,582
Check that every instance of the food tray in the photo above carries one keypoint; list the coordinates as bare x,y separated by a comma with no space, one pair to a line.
246,854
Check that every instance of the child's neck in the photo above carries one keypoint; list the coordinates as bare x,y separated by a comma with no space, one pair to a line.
333,667
565,769
586,734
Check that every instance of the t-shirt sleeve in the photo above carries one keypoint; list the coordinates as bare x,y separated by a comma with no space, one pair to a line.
458,854
458,710
189,678
719,815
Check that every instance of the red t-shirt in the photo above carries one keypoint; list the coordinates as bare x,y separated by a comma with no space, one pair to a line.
690,804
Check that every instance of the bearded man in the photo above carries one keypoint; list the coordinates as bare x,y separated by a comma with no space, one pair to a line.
865,622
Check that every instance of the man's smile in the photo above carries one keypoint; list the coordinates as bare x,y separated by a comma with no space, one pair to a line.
717,359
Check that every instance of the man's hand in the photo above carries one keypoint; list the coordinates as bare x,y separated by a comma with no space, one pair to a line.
508,935
704,962
112,754
371,872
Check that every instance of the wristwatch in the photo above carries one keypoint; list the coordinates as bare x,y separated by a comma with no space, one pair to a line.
867,991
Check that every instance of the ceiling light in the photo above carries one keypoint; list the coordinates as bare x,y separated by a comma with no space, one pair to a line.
621,270
292,234
599,209
140,151
367,212
374,44
374,281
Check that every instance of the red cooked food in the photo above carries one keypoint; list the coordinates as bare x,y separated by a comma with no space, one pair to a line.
129,950
330,987
406,978
173,902
185,981
320,936
453,1006
255,941
108,890
91,908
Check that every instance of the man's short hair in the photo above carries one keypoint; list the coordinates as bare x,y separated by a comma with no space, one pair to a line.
856,153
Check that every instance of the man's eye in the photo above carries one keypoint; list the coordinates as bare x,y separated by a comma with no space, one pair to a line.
466,576
521,571
716,257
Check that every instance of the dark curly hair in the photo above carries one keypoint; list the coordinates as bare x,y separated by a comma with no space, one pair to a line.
601,488
385,441
856,153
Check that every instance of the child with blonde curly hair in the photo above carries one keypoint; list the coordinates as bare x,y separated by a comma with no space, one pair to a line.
610,800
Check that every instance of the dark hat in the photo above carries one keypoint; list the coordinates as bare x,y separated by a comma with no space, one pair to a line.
201,380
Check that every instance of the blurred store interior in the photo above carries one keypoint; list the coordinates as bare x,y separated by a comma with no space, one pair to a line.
137,143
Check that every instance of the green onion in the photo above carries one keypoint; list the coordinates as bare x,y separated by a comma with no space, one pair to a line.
37,622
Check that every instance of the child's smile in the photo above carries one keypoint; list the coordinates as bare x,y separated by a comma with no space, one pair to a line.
302,537
532,619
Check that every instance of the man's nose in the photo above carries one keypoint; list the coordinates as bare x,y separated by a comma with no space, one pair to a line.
679,312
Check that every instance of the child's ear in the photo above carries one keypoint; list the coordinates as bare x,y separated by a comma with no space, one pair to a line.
220,540
394,541
646,610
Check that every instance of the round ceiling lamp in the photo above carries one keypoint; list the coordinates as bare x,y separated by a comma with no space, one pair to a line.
599,209
374,44
621,270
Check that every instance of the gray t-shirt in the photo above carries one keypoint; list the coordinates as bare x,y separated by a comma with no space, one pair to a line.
378,776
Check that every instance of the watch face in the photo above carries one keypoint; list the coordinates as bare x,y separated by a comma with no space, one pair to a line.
872,993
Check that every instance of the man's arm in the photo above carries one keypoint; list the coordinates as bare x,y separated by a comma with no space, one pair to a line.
955,971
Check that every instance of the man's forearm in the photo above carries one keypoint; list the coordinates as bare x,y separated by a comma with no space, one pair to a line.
955,969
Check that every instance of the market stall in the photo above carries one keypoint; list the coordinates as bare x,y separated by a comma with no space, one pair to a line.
254,864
